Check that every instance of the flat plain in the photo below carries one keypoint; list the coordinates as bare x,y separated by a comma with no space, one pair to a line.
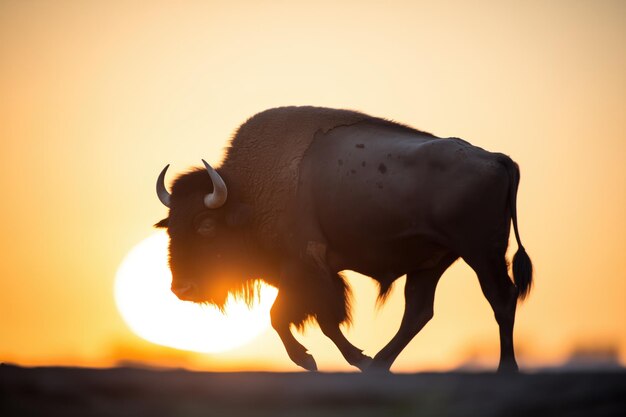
56,391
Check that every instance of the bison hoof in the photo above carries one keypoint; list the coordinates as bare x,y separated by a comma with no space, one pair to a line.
378,367
306,361
364,363
508,368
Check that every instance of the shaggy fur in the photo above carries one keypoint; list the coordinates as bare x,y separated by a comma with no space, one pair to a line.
264,157
261,169
320,299
248,291
384,291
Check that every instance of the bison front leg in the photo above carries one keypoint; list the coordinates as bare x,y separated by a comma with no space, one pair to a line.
328,297
351,353
282,317
314,292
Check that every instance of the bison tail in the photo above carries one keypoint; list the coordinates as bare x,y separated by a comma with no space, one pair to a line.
522,265
522,273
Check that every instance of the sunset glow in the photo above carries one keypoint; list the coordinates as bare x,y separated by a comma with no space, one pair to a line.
97,97
143,296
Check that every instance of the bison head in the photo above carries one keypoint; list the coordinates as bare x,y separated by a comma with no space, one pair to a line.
210,252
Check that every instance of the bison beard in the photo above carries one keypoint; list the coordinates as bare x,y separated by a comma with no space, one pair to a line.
282,222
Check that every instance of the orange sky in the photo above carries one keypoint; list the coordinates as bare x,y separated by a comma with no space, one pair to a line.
95,97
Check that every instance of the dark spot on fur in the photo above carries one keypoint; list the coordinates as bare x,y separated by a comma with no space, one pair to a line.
353,171
379,185
340,162
363,163
382,168
388,155
360,145
461,153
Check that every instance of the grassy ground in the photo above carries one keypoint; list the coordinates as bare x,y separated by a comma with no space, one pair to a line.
135,392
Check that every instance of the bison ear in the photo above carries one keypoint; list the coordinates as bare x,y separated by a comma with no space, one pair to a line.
239,215
162,224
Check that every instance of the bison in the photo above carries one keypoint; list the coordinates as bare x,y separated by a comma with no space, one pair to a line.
307,192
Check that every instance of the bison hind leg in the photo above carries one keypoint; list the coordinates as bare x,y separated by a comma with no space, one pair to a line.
419,297
500,291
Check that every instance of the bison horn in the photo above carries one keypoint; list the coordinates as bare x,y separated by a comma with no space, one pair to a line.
164,196
217,198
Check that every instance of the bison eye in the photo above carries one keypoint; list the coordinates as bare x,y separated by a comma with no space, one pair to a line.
206,228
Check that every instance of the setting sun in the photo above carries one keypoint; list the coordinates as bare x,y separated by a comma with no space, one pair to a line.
152,311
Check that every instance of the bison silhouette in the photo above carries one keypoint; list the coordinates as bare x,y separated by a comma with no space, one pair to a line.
307,192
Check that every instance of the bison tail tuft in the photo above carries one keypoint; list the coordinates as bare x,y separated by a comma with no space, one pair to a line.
522,266
522,273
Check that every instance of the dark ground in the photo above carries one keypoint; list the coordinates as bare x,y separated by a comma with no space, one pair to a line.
135,392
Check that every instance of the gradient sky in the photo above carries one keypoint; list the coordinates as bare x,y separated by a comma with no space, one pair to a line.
96,97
